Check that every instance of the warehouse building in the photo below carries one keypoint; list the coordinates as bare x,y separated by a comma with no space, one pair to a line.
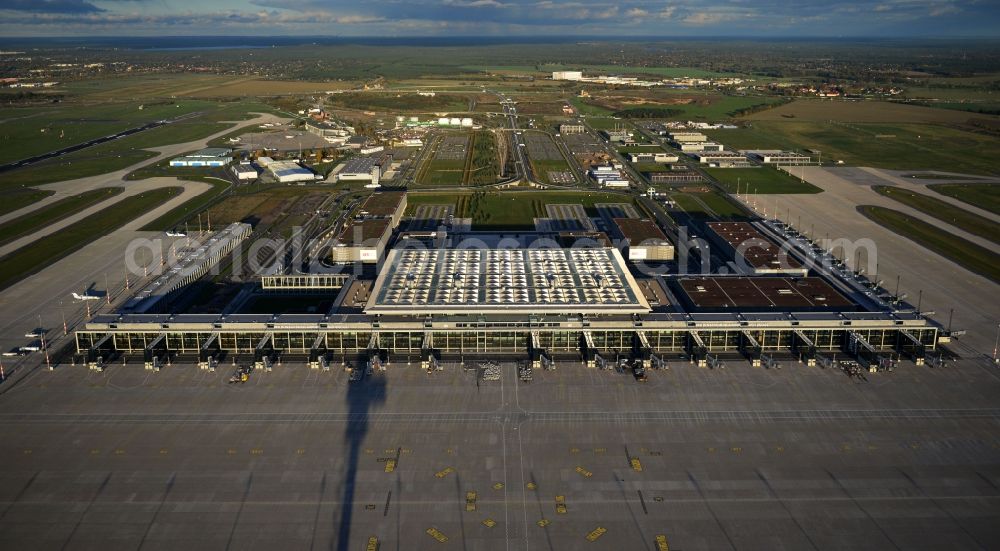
644,240
688,147
676,177
208,157
567,75
362,241
244,171
288,172
681,137
361,169
753,253
779,158
333,133
572,129
722,159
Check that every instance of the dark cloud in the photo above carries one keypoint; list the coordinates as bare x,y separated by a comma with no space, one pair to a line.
520,17
50,6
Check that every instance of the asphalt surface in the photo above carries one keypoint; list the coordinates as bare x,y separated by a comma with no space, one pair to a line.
944,284
741,458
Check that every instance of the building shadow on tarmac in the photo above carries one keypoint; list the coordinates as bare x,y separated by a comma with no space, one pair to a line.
362,397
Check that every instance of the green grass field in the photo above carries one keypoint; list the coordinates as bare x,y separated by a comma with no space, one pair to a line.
640,149
963,252
444,172
708,205
93,161
542,167
43,252
900,146
510,211
651,167
15,199
189,209
759,180
37,219
124,152
984,196
944,211
32,131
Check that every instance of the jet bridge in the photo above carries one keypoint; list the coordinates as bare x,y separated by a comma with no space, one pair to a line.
535,351
641,350
911,346
263,353
208,356
427,352
804,348
863,351
696,349
317,353
100,353
587,348
155,353
750,348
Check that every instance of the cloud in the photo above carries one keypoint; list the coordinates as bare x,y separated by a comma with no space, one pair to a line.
49,6
474,3
503,17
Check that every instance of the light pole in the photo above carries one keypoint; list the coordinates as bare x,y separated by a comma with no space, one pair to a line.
996,343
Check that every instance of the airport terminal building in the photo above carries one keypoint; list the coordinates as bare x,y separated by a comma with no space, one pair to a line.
539,304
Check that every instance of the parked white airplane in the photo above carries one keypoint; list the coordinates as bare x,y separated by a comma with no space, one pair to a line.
176,234
85,296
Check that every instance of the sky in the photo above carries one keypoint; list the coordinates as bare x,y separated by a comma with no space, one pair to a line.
609,20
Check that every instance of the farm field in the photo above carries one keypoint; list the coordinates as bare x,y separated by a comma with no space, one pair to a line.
691,105
401,102
984,196
759,180
37,219
259,87
969,255
902,146
859,111
32,258
944,211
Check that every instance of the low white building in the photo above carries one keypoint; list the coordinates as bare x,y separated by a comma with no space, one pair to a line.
771,157
244,171
208,157
567,75
288,172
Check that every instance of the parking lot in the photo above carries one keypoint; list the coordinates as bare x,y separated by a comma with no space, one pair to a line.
735,458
